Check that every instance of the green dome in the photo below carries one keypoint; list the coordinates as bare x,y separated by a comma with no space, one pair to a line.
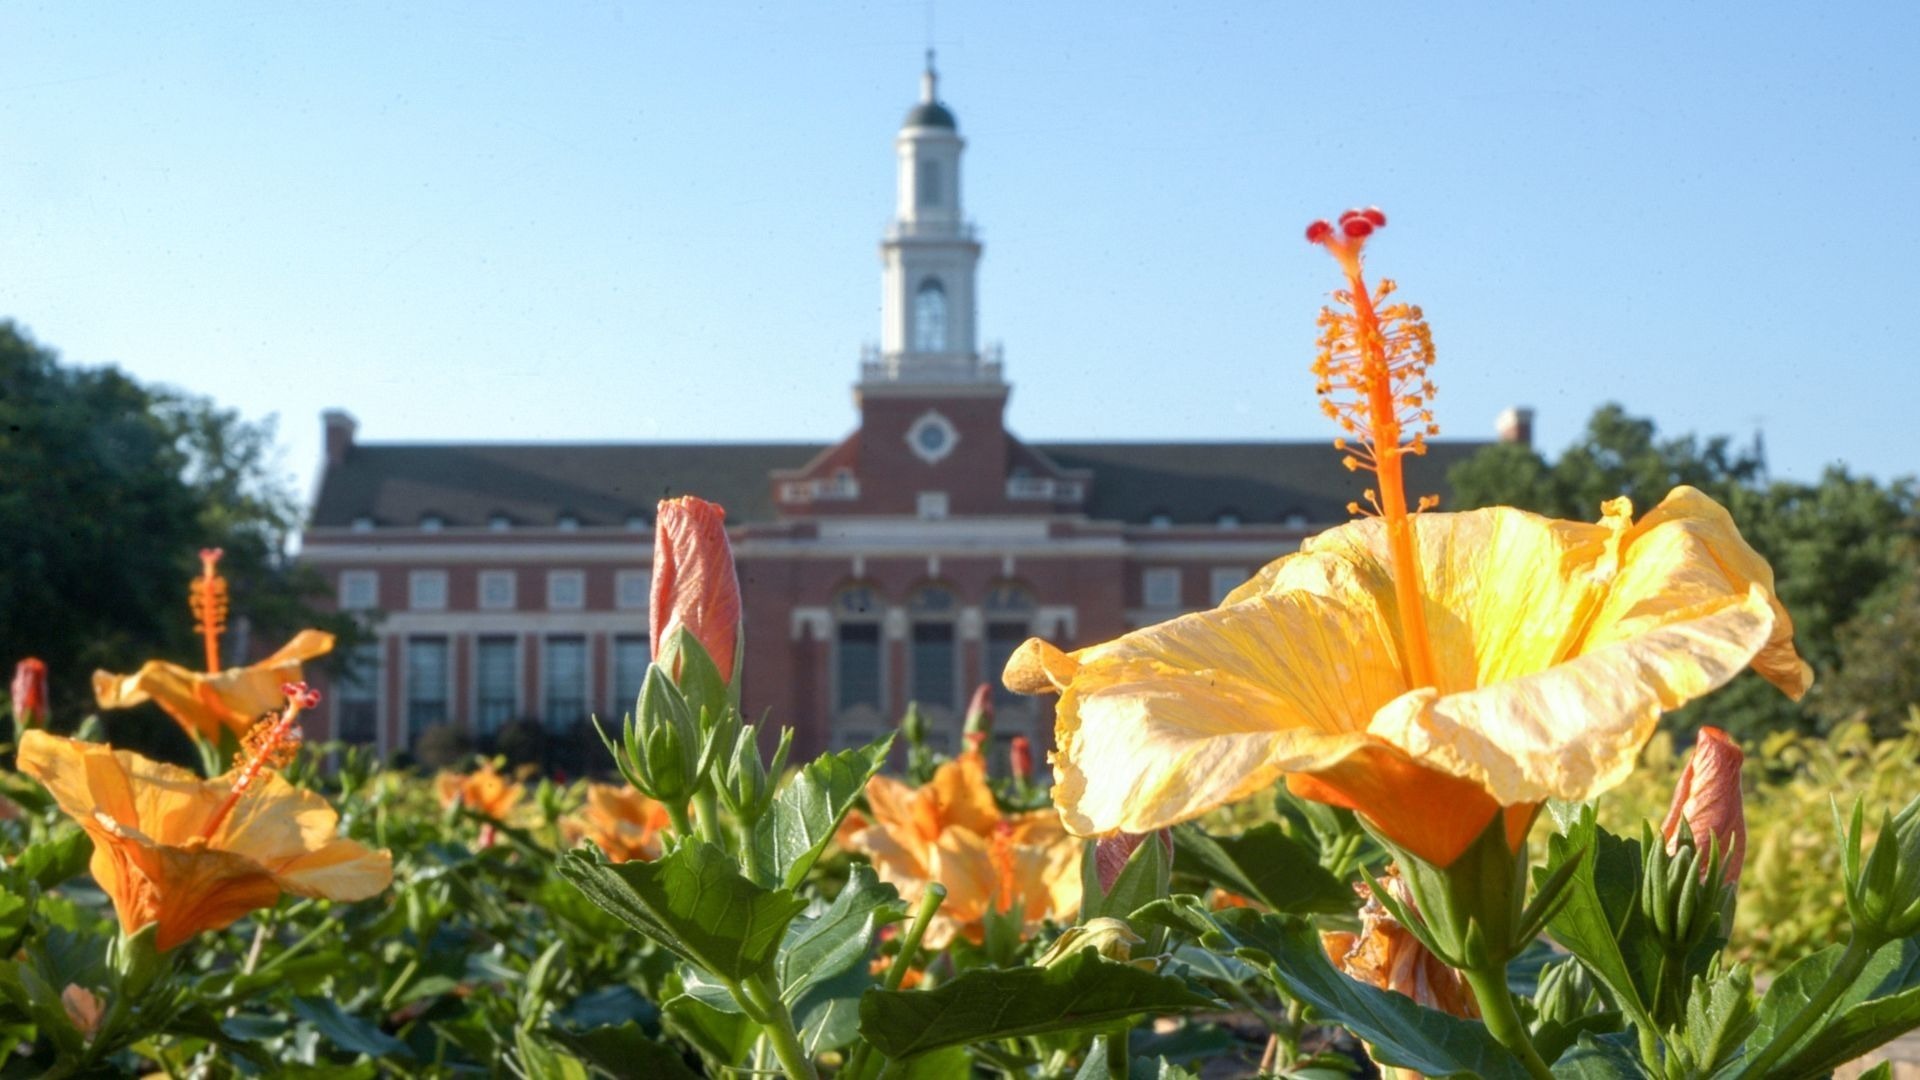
930,114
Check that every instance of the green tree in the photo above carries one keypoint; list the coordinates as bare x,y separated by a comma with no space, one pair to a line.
108,489
1833,544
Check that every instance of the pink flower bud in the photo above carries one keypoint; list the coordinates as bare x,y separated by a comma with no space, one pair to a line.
1707,798
694,583
29,694
980,710
1110,854
1020,757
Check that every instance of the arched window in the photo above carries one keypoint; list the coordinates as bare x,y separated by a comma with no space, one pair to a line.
933,670
930,317
858,667
1009,612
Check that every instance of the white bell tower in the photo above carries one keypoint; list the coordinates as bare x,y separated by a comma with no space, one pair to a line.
929,256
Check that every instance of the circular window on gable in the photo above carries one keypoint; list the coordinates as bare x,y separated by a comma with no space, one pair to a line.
931,437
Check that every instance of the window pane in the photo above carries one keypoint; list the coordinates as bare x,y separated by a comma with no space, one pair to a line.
934,677
566,682
858,658
630,658
426,685
498,660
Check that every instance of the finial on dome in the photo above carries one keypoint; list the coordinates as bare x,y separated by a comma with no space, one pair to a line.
928,81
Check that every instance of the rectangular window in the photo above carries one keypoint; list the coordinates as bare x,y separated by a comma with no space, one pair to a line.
564,683
426,684
566,590
935,680
496,590
857,666
427,590
932,506
356,700
1160,587
929,177
359,590
631,655
631,589
1222,580
497,693
1003,638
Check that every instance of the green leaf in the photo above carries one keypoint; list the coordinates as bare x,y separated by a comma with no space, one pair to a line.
545,1062
1599,919
841,938
828,1014
1078,994
1263,864
1142,880
1875,1008
1398,1031
810,807
1720,1015
348,1032
723,1038
55,861
625,1050
693,902
1599,1059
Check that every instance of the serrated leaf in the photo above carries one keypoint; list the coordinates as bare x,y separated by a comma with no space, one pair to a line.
828,1014
1875,1008
1599,1059
808,810
839,939
723,1038
1398,1031
1599,918
693,902
1266,865
1078,994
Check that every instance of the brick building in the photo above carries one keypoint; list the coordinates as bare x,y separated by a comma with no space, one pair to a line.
903,562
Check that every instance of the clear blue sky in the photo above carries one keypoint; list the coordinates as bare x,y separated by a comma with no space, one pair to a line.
657,221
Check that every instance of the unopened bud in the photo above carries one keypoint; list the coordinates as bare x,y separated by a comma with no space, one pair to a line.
980,712
914,725
661,753
746,784
1883,897
1020,756
695,586
84,1010
1707,799
29,694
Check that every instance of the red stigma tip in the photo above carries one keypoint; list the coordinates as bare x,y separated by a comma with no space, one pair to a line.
1349,216
301,694
1373,214
1357,227
211,555
1318,232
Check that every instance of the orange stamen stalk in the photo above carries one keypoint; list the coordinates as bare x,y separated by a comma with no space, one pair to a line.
270,744
1378,358
208,599
1006,878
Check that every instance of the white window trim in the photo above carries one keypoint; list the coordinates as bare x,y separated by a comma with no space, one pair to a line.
415,579
554,577
513,590
622,578
1153,575
349,579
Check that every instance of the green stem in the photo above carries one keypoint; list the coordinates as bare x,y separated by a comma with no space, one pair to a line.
1848,968
930,901
677,814
778,1025
1502,1020
706,810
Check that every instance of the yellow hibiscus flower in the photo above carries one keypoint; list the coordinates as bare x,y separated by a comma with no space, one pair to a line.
623,822
192,854
951,831
1426,670
207,704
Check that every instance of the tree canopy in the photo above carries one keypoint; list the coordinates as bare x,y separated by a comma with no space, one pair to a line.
1843,551
110,489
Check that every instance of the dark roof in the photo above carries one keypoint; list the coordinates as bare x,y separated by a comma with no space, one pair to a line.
1263,483
535,483
930,114
608,483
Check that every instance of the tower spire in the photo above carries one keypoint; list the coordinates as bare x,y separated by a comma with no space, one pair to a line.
929,81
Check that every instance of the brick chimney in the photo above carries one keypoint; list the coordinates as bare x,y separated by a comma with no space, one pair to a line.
339,426
1516,426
